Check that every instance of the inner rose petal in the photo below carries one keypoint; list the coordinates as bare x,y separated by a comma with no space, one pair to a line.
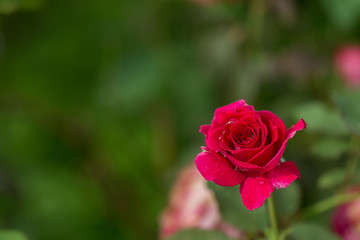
240,133
269,151
243,136
245,154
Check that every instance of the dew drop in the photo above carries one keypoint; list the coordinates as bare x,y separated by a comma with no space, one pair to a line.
261,182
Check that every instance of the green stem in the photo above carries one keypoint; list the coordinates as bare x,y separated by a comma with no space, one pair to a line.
329,203
285,233
272,218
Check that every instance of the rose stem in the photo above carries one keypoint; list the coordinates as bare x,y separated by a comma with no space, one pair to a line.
329,203
272,218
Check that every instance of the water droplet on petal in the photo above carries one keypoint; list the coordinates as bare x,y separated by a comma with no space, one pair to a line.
261,182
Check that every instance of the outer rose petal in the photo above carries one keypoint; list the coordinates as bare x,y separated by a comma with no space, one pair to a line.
254,192
212,140
218,169
244,166
204,129
223,112
301,124
283,174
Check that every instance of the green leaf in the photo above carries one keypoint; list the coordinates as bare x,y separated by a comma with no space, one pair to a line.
330,148
331,178
11,6
233,210
11,235
287,200
344,14
307,231
196,234
321,118
8,6
349,107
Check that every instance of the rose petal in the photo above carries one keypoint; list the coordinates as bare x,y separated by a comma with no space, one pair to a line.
204,129
218,169
300,125
213,138
275,120
248,153
254,192
222,114
289,134
263,156
283,174
243,165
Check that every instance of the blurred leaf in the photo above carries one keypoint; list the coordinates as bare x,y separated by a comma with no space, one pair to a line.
11,235
75,201
31,4
8,6
310,231
249,77
196,234
233,210
343,13
320,118
331,178
349,106
135,82
330,148
287,200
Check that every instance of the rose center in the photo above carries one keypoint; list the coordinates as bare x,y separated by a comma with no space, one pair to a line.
245,135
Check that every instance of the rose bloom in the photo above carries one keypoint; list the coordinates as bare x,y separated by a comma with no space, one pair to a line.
346,220
244,146
193,205
347,61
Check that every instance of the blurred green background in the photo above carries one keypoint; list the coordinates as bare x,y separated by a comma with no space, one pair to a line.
101,101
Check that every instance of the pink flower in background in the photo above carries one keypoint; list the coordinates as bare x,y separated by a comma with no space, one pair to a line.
347,61
193,205
346,220
244,146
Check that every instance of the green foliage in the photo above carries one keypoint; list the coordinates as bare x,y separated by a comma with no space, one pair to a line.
344,14
11,235
310,231
234,211
198,234
330,149
321,118
331,179
287,201
348,103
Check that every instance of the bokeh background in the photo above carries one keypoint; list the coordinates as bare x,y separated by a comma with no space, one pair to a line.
101,101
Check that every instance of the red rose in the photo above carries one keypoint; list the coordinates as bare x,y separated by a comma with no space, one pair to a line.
244,146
